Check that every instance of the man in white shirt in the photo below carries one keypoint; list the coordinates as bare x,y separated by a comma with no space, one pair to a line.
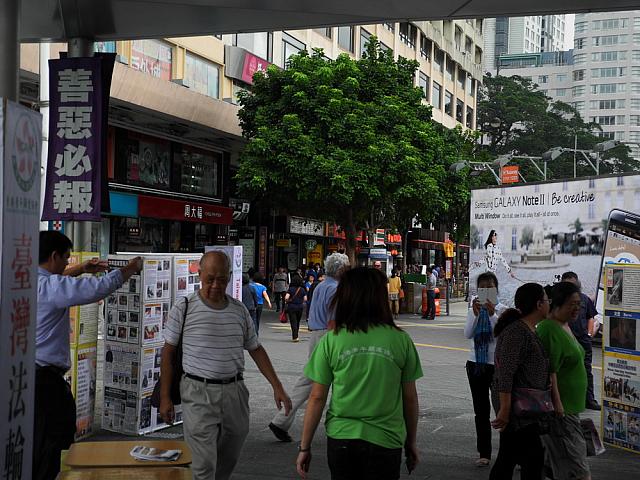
430,313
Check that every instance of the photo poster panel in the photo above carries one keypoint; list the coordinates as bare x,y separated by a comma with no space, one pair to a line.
621,359
186,277
234,252
150,419
84,318
544,230
84,387
121,377
136,311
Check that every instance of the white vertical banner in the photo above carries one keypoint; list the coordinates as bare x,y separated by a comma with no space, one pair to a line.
20,144
234,288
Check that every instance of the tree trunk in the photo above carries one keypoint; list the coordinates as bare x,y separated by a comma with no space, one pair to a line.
351,241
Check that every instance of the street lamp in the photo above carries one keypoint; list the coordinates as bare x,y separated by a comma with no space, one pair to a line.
552,154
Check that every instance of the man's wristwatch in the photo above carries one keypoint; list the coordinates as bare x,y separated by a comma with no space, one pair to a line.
300,449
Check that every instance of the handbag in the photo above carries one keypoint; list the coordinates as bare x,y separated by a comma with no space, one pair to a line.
591,438
401,294
176,399
531,402
283,316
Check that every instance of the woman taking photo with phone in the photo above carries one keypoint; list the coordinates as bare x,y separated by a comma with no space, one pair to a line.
566,450
373,367
482,318
521,366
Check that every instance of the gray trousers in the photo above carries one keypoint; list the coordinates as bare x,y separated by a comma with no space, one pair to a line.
216,423
301,390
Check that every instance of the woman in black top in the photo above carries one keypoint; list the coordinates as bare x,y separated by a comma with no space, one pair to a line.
520,362
294,300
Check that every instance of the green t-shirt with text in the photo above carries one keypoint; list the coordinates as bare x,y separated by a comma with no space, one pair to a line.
366,371
566,360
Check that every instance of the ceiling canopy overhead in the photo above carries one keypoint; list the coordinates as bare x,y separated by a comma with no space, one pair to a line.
59,20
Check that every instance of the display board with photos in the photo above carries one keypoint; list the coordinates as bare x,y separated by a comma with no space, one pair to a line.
135,316
137,311
621,359
186,275
130,373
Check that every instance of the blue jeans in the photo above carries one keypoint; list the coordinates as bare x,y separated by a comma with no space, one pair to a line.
431,304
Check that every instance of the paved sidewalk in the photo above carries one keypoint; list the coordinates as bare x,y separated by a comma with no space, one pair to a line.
446,427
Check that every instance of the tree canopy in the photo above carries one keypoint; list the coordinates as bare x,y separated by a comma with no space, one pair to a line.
345,140
520,119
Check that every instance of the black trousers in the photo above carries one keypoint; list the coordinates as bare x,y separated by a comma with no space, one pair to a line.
294,319
588,358
361,460
279,298
54,422
520,447
480,378
431,304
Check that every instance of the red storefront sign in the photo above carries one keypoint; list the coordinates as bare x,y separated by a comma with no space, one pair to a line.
180,210
252,64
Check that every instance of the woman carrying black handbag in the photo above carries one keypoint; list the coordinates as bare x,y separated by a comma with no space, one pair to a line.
521,366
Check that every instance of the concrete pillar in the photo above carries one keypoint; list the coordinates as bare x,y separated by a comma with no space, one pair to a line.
9,48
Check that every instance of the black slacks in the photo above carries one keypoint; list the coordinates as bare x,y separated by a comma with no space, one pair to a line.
362,460
54,422
519,447
480,378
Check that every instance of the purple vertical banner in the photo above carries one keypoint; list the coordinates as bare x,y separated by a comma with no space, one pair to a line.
79,100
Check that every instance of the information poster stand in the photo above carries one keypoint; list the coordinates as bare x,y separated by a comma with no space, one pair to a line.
234,252
134,320
621,359
83,340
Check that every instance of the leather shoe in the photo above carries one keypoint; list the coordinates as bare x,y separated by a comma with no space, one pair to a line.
280,434
594,406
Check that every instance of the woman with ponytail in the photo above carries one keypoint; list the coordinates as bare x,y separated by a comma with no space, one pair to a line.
521,363
481,320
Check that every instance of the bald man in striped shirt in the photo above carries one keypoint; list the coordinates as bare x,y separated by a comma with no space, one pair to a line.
215,400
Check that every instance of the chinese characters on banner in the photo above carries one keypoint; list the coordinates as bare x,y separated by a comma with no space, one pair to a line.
79,91
621,359
21,141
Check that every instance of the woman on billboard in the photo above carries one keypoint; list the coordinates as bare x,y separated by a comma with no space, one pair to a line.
493,254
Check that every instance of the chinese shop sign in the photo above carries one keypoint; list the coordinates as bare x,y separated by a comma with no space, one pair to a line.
79,91
20,142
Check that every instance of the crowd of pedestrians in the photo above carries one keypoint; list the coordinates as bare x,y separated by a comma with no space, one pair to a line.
532,363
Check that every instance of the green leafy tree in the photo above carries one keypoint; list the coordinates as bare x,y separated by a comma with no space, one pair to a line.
344,140
518,118
526,238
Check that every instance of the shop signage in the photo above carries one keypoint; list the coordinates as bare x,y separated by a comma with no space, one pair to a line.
251,65
157,207
306,226
79,103
310,244
509,174
283,242
262,251
240,209
377,251
448,268
242,65
20,144
379,237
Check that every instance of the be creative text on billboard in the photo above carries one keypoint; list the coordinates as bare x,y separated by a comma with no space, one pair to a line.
534,233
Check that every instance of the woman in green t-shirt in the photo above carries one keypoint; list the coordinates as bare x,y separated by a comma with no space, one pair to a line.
372,367
566,451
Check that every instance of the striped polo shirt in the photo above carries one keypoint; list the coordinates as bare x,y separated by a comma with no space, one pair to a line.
213,340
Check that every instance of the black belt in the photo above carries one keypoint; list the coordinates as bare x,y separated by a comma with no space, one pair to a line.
215,381
51,368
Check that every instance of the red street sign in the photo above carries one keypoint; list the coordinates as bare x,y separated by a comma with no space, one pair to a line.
510,174
156,207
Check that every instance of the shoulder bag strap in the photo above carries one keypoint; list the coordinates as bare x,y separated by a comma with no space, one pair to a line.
184,318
